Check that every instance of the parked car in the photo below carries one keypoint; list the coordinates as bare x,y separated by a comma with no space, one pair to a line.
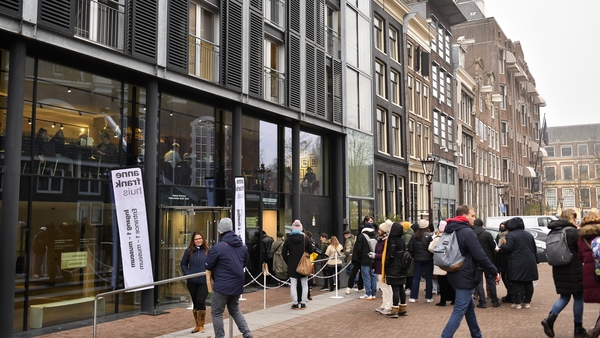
538,222
538,235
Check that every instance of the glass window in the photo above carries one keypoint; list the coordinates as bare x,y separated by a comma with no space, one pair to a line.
551,198
204,52
583,172
449,90
381,131
569,197
396,137
442,90
360,164
434,79
395,87
565,151
391,195
366,115
393,33
567,172
550,151
381,194
425,102
378,35
380,79
352,36
364,44
582,150
436,127
312,165
410,93
417,104
274,11
274,72
352,98
411,131
409,55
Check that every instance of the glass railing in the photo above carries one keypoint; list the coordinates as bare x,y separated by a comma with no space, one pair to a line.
274,11
334,44
204,59
274,85
100,22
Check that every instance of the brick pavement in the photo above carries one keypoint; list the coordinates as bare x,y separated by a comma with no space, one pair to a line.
357,318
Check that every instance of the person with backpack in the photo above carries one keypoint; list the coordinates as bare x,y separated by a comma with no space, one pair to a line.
522,262
568,278
590,229
267,252
466,278
394,269
419,249
361,251
410,273
489,247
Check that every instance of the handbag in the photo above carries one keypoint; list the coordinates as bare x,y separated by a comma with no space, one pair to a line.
304,264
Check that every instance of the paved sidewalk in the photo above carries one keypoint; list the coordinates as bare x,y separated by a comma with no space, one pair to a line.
349,317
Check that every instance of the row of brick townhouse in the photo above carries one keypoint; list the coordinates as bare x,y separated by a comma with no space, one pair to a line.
323,108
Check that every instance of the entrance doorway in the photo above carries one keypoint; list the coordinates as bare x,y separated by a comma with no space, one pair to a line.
177,223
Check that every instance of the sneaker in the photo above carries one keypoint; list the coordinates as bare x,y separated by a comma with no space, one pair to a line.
526,305
481,305
364,297
496,304
385,311
429,300
324,289
295,307
356,289
412,300
348,290
516,306
302,306
407,291
379,309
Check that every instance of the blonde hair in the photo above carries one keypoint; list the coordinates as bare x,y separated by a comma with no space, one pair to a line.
334,241
569,215
592,217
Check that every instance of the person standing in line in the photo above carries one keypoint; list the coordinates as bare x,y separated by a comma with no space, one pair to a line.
590,229
279,266
225,264
194,261
361,254
568,278
359,285
410,273
419,249
464,280
349,241
489,247
334,248
379,257
324,239
446,290
522,262
293,248
501,261
395,273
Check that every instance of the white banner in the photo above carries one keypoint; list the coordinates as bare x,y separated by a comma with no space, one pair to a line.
239,215
130,207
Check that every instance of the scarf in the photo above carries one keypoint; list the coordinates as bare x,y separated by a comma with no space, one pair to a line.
383,259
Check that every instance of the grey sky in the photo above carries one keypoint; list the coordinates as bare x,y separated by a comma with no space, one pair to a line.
560,42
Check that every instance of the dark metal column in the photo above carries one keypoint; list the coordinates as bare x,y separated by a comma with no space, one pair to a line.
236,132
338,167
150,182
295,170
11,181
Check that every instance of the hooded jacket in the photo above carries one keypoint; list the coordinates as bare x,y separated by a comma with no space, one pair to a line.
486,240
227,260
361,250
522,252
293,248
194,264
568,278
394,274
591,288
468,277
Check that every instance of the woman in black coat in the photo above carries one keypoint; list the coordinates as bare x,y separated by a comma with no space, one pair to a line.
395,275
522,262
568,279
293,248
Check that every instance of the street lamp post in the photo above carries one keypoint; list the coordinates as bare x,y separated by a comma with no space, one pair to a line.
429,166
501,188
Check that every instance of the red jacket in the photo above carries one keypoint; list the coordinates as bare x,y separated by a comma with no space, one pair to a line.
591,288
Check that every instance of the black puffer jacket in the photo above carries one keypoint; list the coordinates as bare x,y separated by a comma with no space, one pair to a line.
293,248
521,250
394,273
419,249
486,240
568,279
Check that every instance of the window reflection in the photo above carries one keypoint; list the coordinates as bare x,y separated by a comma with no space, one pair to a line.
311,164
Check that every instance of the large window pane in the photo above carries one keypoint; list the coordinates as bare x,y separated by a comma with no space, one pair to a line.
360,164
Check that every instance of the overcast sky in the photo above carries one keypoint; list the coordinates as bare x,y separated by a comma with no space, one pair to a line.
560,40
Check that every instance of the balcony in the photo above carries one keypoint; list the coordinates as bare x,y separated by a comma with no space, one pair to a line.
100,21
274,85
274,12
204,59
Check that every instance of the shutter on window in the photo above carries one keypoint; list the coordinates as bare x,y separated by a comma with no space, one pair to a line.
143,33
337,92
321,90
231,45
177,36
320,29
310,20
56,14
256,55
11,7
293,78
257,4
310,79
425,64
294,15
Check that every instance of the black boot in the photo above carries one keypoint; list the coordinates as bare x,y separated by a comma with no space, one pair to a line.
548,324
580,331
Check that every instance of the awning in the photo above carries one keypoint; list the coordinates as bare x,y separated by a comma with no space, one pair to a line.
534,147
531,88
510,57
528,172
543,152
539,100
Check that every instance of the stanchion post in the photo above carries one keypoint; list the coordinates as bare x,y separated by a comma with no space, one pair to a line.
265,272
337,287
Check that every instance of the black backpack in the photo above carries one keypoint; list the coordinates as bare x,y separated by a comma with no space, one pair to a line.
557,248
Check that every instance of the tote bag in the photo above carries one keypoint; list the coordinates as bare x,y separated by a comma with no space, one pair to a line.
304,264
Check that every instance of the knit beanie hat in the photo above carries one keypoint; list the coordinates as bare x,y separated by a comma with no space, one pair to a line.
405,225
423,224
478,222
442,226
386,226
297,225
225,225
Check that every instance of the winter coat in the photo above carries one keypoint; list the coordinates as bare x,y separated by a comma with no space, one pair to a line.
227,260
501,260
419,249
293,248
381,243
591,288
522,252
394,274
279,266
267,243
360,254
194,264
568,279
468,277
407,236
486,240
330,252
348,247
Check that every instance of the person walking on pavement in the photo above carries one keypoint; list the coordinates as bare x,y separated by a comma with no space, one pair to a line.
445,289
293,248
225,264
419,249
379,257
194,261
465,280
522,262
590,229
394,272
349,241
489,247
361,254
568,279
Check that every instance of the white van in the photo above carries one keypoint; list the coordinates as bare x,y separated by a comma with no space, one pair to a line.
539,222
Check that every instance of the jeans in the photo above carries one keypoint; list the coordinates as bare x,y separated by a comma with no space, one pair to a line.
218,303
491,283
294,291
369,279
562,302
464,306
386,293
427,267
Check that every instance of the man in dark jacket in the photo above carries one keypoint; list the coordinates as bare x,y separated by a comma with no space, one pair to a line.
226,262
467,278
361,254
489,247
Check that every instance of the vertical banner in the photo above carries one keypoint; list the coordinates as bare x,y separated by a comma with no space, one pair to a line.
239,216
130,208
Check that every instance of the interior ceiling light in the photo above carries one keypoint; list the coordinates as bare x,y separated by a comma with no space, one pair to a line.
68,89
53,124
